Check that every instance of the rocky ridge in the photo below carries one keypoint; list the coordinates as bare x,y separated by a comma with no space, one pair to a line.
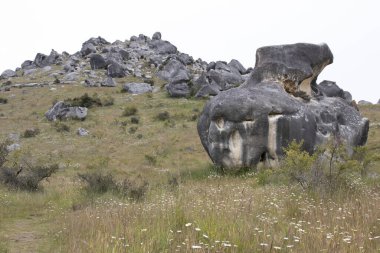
101,63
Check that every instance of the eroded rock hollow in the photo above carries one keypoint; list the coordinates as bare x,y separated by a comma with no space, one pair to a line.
280,102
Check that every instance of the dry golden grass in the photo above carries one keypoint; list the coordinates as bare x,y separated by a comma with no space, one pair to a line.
205,213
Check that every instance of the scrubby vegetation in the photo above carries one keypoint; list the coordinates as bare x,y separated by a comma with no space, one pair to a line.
147,187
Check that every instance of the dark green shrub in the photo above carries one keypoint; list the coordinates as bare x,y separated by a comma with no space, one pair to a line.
134,189
3,100
129,111
135,120
61,127
31,132
85,101
151,159
132,130
162,116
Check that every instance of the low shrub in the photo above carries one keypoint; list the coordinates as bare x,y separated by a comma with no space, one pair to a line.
162,116
3,100
27,179
31,132
129,111
135,120
61,127
85,101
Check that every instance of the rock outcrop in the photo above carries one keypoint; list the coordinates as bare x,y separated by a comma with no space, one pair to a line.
279,103
62,111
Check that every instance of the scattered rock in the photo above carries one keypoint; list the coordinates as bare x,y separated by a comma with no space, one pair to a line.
237,66
61,111
137,88
115,69
156,36
13,147
82,132
29,72
108,82
178,89
364,102
8,73
97,62
87,48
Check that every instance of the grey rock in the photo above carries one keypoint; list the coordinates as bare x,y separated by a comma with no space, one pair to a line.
28,65
163,47
61,111
185,59
13,147
42,60
14,137
82,132
238,66
156,36
178,89
243,126
88,48
210,66
364,102
224,78
29,72
46,69
97,61
8,73
378,102
137,88
330,89
115,69
108,82
207,90
71,77
97,41
174,71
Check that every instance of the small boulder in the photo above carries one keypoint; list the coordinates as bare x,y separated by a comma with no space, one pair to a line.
13,147
330,89
62,111
82,132
88,48
137,88
235,64
156,36
27,65
174,71
364,102
178,89
108,82
163,47
8,73
97,62
115,69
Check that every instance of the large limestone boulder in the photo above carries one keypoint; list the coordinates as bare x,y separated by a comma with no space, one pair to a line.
279,103
62,111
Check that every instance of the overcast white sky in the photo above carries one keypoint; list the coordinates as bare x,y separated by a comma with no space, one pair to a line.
211,30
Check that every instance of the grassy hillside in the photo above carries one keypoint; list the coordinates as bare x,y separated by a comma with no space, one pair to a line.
187,207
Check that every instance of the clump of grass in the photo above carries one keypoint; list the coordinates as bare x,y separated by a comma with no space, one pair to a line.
108,101
31,132
129,111
3,100
61,127
151,159
132,129
135,120
162,116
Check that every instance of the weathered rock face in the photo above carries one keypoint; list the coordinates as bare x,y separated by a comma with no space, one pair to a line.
62,111
279,103
137,88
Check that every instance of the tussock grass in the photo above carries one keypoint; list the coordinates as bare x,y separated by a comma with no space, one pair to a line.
188,206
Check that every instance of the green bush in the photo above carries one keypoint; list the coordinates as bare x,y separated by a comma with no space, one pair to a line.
98,183
129,111
61,127
162,116
3,100
31,132
85,101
